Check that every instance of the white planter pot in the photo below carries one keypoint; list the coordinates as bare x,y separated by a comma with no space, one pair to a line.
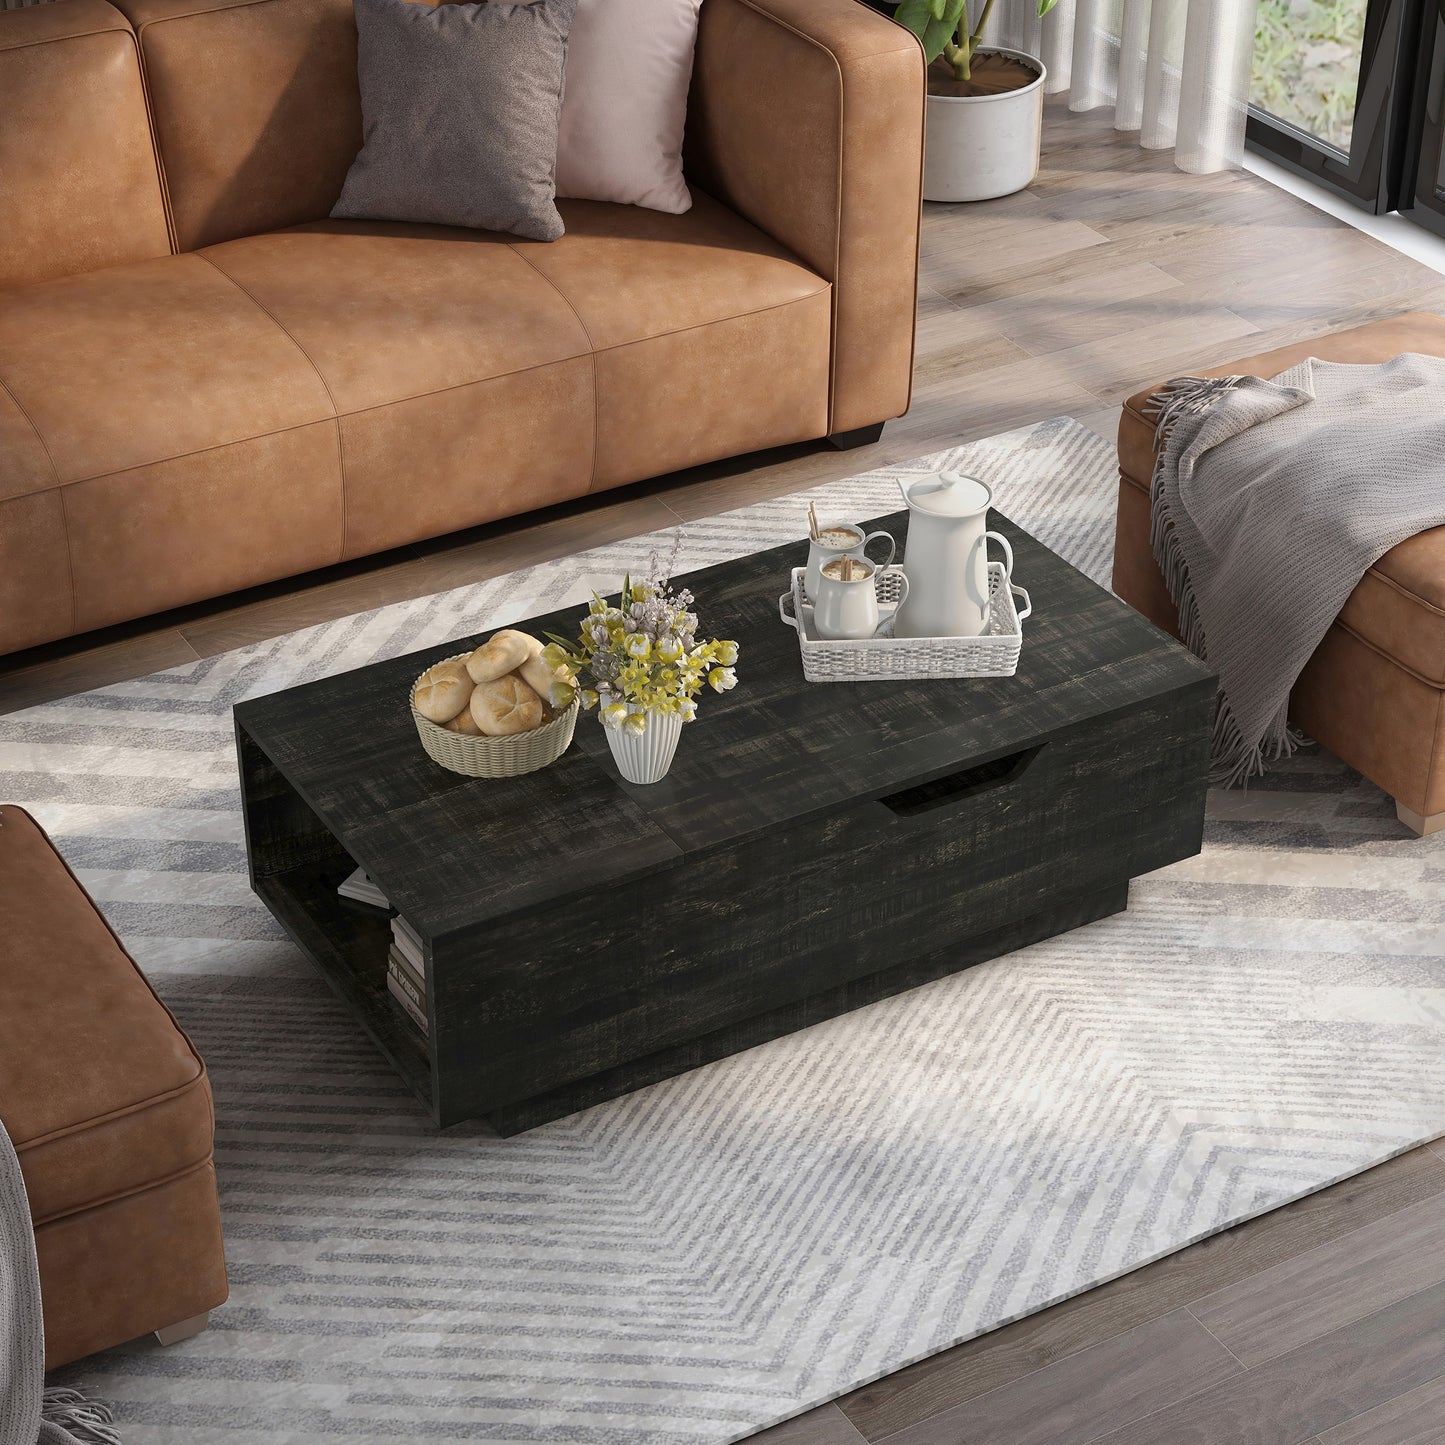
645,757
980,146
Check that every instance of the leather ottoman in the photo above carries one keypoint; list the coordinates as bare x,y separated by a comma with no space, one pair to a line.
109,1109
1374,691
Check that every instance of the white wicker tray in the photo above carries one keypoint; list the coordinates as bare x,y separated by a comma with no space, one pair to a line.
875,659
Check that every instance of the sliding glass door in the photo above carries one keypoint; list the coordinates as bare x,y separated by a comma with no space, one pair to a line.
1332,92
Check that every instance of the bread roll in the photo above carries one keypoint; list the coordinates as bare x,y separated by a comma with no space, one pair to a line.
443,691
506,706
465,723
540,678
506,651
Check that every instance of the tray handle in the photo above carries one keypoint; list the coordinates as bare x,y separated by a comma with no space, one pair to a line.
783,612
1026,611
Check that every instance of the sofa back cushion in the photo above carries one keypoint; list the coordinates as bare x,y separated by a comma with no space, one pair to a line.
78,183
256,110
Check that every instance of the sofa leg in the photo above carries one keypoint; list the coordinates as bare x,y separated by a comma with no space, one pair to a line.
183,1329
1422,823
863,436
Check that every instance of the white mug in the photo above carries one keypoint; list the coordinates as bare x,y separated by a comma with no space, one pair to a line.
847,608
836,543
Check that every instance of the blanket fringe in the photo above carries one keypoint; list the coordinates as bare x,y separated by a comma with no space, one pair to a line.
86,1421
1233,760
1180,397
1176,399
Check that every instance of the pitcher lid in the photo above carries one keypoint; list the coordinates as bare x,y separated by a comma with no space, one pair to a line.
950,494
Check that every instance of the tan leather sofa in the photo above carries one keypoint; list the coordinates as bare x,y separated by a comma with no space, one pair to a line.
1374,691
109,1110
206,385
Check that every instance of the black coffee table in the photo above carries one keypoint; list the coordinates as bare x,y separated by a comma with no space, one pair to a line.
814,848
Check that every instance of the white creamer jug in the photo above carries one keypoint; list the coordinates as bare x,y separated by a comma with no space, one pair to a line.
946,558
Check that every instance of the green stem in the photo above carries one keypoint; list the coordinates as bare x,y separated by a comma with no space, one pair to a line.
978,32
960,56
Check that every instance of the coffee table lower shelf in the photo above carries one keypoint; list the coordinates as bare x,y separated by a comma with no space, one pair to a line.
349,944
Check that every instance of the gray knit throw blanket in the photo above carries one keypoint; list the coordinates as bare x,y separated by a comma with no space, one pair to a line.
29,1413
1271,499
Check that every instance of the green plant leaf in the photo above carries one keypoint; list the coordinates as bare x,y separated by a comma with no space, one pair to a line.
1045,6
917,15
940,32
933,29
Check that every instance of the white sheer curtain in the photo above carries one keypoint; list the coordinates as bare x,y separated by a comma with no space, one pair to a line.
1177,71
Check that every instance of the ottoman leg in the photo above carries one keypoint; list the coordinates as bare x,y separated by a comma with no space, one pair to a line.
1419,822
183,1329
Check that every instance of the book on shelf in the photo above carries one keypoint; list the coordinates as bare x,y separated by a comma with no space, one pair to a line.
415,1012
408,977
407,941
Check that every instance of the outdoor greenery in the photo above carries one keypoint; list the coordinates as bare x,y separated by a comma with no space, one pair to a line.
1306,64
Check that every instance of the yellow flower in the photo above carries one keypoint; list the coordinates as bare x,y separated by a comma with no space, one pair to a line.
669,649
635,722
589,698
555,656
614,714
726,652
721,679
560,694
639,645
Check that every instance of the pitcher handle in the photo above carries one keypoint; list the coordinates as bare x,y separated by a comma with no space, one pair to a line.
892,548
1008,566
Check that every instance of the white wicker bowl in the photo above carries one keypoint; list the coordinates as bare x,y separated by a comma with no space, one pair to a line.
484,757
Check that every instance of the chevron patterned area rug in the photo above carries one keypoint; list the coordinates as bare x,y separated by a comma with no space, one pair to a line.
715,1253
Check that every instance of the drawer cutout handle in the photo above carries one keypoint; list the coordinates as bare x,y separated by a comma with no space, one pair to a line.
955,787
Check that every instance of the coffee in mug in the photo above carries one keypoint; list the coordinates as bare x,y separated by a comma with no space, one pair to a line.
839,539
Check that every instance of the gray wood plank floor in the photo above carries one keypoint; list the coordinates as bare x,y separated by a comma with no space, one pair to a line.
1320,1324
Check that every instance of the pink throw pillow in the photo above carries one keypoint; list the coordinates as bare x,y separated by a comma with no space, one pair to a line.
629,65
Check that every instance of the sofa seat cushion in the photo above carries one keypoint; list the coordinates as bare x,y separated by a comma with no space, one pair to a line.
1399,606
152,415
140,363
100,1091
710,337
388,311
632,274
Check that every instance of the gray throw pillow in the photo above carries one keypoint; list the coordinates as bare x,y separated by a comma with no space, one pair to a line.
460,106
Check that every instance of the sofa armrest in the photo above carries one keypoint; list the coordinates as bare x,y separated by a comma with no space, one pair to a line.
806,117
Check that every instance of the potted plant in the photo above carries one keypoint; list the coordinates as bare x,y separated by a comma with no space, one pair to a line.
985,107
642,666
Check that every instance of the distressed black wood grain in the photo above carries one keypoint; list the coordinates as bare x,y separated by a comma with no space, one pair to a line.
814,846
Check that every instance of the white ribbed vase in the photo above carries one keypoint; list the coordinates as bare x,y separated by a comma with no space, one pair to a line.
645,757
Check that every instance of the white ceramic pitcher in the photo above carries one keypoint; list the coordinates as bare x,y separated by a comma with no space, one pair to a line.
946,557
